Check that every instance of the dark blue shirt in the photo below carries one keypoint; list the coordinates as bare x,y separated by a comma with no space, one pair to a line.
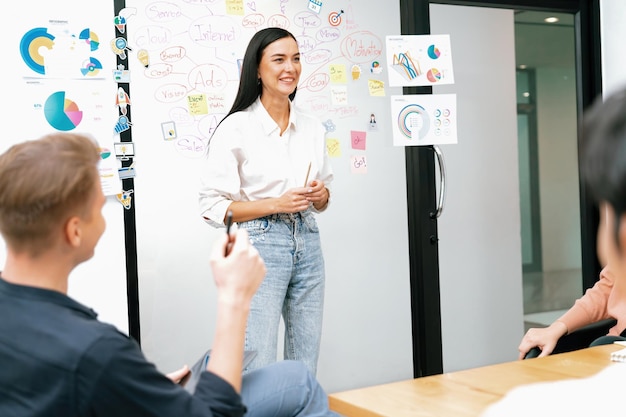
57,359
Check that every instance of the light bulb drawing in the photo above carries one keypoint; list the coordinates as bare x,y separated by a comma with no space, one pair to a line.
143,57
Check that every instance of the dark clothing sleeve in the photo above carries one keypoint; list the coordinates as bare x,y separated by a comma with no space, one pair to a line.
114,379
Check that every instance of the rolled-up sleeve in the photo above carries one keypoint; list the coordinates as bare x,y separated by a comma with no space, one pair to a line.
220,182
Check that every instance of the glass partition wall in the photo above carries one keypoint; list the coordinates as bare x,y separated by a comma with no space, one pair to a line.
548,164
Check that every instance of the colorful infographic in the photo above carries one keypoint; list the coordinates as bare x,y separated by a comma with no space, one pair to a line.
62,113
52,52
419,60
424,119
31,48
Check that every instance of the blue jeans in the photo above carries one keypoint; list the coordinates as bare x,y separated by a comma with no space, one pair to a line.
293,286
284,389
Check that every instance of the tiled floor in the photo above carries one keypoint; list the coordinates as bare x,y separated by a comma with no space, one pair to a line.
548,294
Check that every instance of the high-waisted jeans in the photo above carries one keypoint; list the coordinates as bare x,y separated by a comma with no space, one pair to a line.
293,286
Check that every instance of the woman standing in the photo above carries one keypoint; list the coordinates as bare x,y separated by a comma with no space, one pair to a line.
267,164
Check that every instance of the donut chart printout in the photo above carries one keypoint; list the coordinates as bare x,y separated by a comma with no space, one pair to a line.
424,119
419,60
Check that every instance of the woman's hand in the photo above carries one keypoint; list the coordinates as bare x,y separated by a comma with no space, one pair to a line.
317,194
294,200
543,338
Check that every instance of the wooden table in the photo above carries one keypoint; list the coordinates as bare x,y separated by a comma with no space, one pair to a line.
468,392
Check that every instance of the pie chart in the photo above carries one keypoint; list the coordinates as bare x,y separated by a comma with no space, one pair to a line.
62,113
433,75
433,52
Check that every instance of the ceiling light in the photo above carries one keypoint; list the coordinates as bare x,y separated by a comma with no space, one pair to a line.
522,66
551,19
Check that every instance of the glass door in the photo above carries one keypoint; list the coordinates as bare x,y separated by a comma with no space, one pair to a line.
548,163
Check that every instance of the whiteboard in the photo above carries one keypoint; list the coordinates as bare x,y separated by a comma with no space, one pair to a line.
192,50
63,41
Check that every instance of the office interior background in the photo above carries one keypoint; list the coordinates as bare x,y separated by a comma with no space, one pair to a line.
507,263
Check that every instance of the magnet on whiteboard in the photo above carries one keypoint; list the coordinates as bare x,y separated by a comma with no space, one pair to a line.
315,5
168,129
125,198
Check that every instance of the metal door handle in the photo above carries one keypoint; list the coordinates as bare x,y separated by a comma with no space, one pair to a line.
442,184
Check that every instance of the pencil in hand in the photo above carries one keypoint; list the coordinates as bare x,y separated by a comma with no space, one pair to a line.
308,171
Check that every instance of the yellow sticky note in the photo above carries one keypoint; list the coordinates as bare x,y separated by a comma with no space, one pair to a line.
197,105
338,74
234,7
376,87
333,147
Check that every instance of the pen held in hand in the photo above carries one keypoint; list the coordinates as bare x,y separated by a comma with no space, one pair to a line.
308,171
229,223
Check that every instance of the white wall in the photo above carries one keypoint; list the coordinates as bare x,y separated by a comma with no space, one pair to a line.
613,33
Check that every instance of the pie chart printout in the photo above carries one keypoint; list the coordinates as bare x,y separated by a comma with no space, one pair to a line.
62,113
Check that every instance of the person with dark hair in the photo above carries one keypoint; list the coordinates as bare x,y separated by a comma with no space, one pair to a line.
603,169
606,299
59,360
267,164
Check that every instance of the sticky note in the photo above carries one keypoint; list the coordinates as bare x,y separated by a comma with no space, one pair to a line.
339,95
338,74
357,139
234,7
376,88
197,105
333,147
358,164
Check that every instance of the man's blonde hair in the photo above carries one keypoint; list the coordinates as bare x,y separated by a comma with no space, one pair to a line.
43,183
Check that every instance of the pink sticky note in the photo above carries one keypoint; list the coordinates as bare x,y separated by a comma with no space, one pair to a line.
357,139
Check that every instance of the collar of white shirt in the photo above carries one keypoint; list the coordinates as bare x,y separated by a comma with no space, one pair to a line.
269,125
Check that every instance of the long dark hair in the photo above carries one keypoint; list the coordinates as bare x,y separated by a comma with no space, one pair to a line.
249,86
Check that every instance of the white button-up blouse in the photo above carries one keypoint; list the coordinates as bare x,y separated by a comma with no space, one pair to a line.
248,159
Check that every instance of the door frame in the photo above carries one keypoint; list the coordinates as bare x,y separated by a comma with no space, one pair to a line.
420,172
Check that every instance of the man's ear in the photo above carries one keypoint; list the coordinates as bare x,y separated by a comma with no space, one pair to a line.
73,232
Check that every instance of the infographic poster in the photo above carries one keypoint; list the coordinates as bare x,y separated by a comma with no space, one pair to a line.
424,119
419,60
58,77
64,74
